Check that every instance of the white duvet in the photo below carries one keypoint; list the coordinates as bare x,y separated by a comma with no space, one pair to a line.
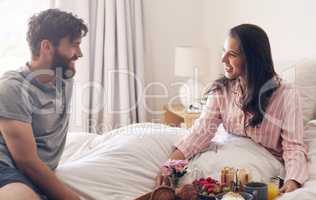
123,163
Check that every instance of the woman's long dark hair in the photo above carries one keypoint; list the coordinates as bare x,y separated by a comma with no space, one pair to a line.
259,70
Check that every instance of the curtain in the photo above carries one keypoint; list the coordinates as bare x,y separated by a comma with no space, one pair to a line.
109,85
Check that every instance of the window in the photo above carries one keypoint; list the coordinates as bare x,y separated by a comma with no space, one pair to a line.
14,51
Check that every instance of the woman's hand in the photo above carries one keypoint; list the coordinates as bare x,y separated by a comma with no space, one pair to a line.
163,180
289,186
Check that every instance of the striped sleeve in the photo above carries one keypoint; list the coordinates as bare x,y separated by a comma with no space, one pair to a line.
294,149
203,129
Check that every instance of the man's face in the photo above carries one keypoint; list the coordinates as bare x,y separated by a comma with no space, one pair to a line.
65,55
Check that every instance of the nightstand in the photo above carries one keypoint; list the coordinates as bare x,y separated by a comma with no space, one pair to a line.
176,115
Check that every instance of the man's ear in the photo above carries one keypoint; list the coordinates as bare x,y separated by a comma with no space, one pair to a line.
46,47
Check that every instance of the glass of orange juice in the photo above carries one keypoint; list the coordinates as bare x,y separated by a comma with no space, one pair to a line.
273,190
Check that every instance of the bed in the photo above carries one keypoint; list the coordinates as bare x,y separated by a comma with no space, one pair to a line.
123,163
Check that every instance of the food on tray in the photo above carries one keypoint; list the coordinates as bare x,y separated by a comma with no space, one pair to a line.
231,177
232,196
209,187
243,176
227,176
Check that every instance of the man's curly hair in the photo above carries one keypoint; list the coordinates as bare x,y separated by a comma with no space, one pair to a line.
53,25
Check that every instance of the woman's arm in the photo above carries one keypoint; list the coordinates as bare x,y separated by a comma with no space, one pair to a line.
204,128
200,135
176,155
294,149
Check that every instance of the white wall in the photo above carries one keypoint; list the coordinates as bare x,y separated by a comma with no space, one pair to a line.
290,25
168,23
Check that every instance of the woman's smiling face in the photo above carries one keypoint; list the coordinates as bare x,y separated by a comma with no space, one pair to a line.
232,59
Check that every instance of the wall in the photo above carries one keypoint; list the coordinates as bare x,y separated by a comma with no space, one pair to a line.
168,23
288,23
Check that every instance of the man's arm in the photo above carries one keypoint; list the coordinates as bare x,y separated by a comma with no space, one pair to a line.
22,147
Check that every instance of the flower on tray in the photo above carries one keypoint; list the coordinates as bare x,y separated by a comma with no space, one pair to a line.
174,169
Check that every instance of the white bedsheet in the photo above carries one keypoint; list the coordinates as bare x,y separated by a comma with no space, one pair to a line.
122,164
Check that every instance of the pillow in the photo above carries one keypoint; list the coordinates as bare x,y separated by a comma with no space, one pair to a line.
302,75
310,140
234,151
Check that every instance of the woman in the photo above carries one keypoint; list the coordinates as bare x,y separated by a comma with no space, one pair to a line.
252,101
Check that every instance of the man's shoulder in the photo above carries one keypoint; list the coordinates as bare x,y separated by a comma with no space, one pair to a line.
11,78
12,82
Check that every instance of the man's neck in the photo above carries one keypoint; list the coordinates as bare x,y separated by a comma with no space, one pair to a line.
46,76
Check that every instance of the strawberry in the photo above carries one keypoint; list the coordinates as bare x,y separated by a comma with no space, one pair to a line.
209,179
205,182
207,186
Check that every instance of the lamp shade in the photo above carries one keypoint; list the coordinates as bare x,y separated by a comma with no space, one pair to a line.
188,59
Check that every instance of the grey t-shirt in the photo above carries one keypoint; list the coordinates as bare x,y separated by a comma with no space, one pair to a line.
45,107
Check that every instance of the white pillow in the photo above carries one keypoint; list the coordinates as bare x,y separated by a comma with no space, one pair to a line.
302,74
310,140
237,152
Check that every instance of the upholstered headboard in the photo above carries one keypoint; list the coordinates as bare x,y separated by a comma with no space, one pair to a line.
302,73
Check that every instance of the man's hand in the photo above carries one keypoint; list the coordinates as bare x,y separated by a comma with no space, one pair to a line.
289,186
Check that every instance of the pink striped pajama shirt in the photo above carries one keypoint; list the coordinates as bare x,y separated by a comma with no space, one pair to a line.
281,131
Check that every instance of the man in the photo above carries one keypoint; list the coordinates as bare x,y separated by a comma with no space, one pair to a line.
34,105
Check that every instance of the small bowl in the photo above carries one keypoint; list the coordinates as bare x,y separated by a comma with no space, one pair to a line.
246,196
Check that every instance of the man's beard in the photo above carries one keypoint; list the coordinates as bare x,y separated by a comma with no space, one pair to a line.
62,63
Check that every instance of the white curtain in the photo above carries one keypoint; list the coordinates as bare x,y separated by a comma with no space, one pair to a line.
109,82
